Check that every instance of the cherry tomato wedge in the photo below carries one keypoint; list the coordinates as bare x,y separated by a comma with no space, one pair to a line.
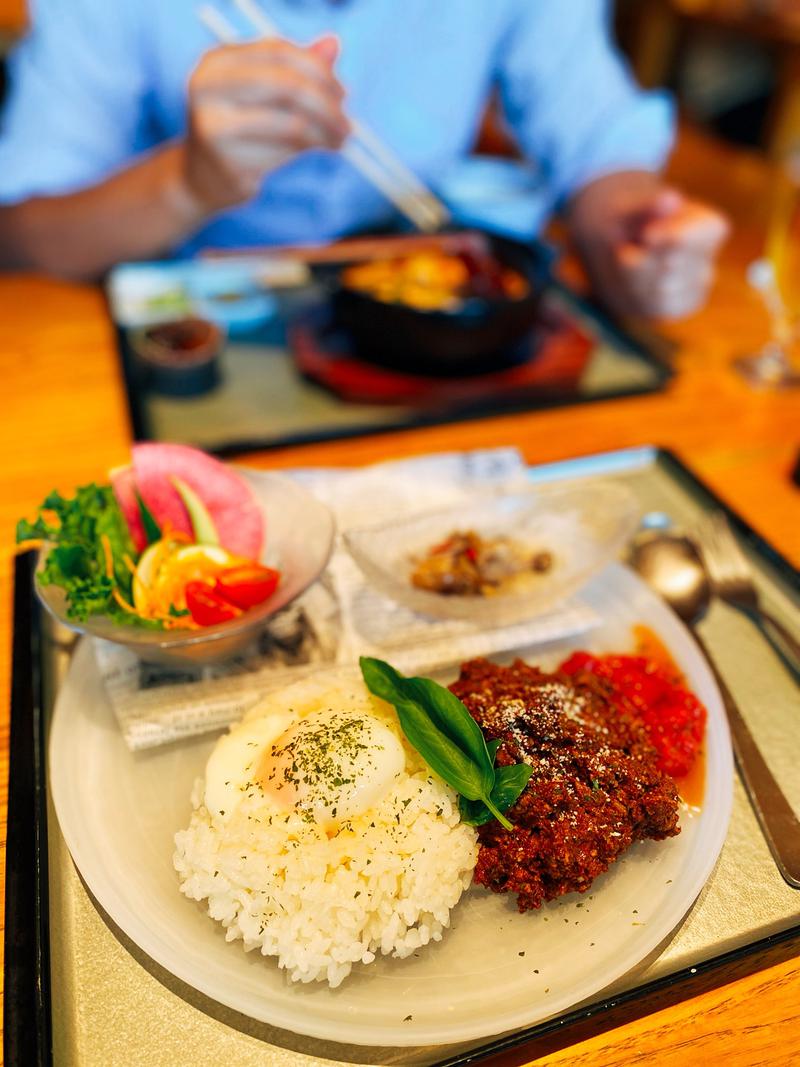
247,585
206,606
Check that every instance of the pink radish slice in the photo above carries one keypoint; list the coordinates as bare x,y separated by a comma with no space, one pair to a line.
228,499
124,486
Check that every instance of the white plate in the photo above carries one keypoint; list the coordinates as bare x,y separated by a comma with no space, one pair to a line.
495,970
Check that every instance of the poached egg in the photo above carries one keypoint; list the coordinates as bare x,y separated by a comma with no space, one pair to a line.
328,760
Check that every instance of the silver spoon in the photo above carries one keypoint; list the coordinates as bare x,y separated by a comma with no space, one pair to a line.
671,566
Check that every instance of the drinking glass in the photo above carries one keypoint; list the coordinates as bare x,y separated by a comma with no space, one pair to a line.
777,278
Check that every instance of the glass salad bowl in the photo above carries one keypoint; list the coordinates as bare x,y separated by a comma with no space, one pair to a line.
299,539
558,538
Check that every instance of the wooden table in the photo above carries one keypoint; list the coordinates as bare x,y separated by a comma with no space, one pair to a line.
13,20
63,422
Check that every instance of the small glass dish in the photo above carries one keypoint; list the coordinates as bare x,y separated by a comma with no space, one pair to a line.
180,358
581,527
299,540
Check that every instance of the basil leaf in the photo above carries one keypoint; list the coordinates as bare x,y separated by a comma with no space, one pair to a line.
446,714
441,729
492,747
450,716
509,783
381,678
439,752
474,812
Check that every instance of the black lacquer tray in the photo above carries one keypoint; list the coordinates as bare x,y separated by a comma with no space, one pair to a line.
720,936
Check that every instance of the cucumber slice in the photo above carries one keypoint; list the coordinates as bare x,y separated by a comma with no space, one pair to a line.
205,532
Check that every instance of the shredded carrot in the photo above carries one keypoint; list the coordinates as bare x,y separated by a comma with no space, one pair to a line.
104,541
171,622
126,559
123,603
169,533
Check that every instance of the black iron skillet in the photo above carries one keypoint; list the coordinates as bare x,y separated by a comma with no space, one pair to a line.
481,335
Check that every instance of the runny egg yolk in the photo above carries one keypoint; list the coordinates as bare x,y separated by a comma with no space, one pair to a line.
331,766
231,770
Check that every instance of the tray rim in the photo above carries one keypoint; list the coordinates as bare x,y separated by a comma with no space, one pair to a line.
27,1028
27,1036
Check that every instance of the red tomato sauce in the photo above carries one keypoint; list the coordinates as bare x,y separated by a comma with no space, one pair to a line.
650,684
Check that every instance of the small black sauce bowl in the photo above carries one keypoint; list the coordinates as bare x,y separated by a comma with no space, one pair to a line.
479,336
179,358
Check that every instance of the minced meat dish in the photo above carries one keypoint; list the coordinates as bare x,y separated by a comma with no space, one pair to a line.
595,788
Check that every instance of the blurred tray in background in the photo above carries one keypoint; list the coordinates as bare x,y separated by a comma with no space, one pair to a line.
285,377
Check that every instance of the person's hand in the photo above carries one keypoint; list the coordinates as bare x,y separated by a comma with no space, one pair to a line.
253,107
649,249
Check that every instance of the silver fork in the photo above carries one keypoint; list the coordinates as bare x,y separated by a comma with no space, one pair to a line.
732,581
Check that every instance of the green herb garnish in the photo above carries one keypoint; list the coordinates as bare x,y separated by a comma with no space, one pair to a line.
444,733
152,531
508,784
75,528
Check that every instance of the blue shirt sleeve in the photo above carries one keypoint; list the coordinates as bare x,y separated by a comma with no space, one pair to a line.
76,109
570,99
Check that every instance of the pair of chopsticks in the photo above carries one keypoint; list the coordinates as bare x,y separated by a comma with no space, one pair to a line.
360,249
364,149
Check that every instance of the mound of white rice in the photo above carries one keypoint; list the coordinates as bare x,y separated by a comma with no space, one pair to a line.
384,882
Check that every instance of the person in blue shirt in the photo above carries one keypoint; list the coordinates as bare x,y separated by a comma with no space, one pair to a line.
129,134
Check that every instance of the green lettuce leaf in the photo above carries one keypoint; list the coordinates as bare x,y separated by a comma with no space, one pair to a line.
73,527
